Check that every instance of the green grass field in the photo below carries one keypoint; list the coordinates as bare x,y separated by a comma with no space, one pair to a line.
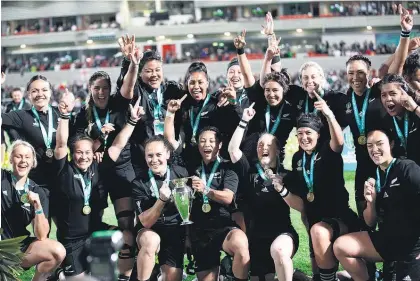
301,259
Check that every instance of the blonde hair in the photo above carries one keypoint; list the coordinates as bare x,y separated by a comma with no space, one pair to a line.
17,143
317,67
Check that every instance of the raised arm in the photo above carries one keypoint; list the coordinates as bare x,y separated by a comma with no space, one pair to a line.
65,107
130,79
337,138
266,65
169,127
246,70
369,214
402,49
122,138
235,142
40,222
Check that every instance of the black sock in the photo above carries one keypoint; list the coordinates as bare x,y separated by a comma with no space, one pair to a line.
122,277
144,280
239,279
328,274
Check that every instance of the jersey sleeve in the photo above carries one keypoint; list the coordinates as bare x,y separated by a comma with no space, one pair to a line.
230,181
142,201
241,168
12,120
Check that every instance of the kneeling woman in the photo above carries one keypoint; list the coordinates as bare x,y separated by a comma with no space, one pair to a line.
23,203
267,234
393,203
213,229
316,187
78,191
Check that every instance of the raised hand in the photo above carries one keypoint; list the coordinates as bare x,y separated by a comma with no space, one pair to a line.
107,128
98,156
66,103
34,199
126,45
414,44
322,106
370,191
136,55
407,101
268,27
175,105
275,43
239,40
198,184
248,113
165,192
136,111
271,52
406,19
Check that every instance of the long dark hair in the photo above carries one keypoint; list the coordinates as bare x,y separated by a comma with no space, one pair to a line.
89,101
197,66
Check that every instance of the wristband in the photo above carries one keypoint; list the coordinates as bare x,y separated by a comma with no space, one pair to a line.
240,51
242,120
416,108
242,126
164,201
131,122
284,192
275,59
169,114
405,34
65,116
232,101
38,212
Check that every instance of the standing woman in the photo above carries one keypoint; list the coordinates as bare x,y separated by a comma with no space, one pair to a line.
402,116
273,240
316,186
23,202
392,204
37,126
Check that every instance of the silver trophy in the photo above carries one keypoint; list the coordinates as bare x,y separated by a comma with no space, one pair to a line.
183,197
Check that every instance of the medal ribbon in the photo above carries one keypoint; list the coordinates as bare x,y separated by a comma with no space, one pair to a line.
46,136
208,182
261,171
25,186
86,185
157,107
98,121
196,122
378,177
242,95
155,190
403,138
309,179
307,104
360,120
276,123
20,105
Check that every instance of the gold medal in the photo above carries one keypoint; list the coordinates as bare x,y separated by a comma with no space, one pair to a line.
49,153
86,210
24,198
310,196
206,208
361,140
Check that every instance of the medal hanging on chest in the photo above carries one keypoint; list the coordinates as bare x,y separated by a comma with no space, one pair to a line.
99,124
24,197
46,135
206,208
194,122
158,124
360,117
308,175
87,190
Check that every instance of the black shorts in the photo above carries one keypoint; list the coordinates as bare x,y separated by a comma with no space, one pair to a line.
206,246
172,245
25,245
259,249
402,270
394,248
75,262
119,183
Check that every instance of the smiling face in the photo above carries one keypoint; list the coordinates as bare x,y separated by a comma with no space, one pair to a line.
157,157
39,93
22,160
152,74
267,150
100,90
307,138
83,154
391,98
273,93
357,75
209,146
17,96
311,79
198,85
379,148
235,77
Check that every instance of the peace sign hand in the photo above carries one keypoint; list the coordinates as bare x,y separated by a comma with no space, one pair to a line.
136,112
248,113
268,28
406,19
175,105
239,40
322,106
407,101
67,102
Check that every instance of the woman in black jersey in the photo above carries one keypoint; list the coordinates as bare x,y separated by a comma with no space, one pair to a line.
102,119
37,126
273,240
402,116
23,202
392,205
317,187
199,110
